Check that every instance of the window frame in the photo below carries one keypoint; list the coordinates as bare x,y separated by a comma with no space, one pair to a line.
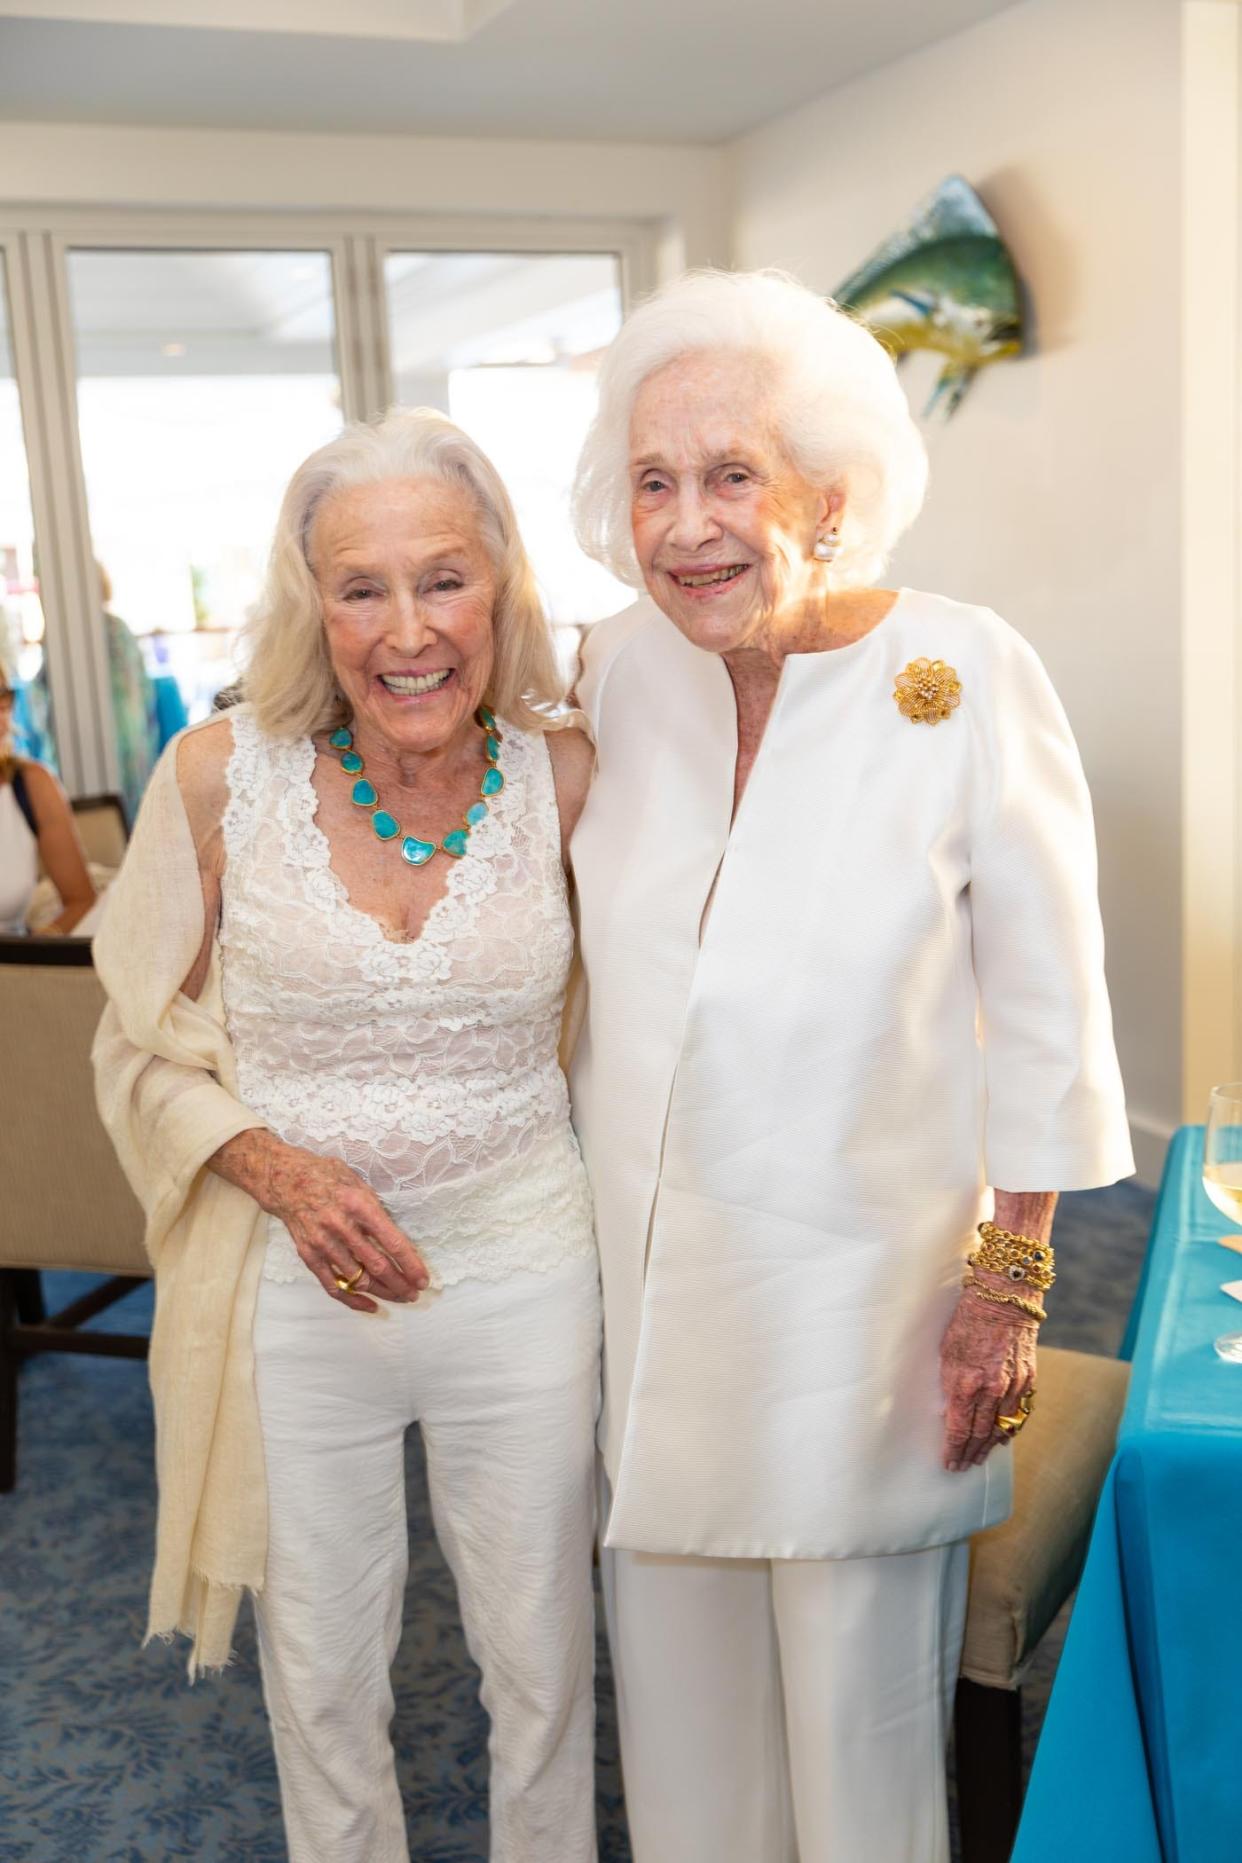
35,243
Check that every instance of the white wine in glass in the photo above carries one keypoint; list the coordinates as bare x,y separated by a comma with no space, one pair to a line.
1222,1150
1222,1175
1223,1183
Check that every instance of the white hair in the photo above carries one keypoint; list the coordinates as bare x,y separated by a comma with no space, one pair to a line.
842,415
289,678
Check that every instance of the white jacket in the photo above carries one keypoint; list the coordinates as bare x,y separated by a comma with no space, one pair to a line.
899,1000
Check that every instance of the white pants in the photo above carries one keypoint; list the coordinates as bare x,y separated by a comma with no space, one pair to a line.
786,1711
503,1380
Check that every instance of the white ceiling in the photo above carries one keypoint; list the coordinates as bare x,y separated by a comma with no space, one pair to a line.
698,71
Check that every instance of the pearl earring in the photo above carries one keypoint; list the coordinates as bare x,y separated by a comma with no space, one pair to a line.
826,547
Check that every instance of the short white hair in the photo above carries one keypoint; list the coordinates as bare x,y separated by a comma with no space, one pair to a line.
842,415
288,677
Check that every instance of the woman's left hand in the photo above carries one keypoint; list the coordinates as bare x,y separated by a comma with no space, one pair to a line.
987,1365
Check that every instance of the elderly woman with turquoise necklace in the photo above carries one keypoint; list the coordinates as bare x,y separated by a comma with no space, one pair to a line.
344,934
845,1004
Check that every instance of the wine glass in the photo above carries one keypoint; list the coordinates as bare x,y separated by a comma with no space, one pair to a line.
1222,1175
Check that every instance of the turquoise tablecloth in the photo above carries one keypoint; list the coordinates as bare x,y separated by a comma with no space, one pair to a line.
1141,1753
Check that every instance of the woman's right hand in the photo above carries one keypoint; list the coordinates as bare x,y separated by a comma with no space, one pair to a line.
337,1222
987,1366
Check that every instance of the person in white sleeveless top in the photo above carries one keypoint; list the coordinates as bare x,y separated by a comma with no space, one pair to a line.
844,965
380,833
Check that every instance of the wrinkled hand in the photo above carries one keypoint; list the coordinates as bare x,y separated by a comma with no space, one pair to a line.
987,1363
339,1225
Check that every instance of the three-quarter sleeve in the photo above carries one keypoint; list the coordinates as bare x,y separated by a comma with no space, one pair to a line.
1056,1115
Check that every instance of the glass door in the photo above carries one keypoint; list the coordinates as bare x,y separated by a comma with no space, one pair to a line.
28,720
173,374
506,344
203,378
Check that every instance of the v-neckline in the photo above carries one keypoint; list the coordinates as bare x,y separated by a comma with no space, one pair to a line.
450,897
790,669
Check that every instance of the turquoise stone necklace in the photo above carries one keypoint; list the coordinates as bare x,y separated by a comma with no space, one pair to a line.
388,828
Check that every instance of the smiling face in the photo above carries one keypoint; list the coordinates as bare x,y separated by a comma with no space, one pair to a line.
408,591
724,525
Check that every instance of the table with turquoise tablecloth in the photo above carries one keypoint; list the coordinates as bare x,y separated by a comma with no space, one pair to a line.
1141,1752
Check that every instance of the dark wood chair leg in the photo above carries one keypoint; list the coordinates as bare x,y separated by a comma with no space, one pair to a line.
27,1329
9,1360
987,1726
28,1293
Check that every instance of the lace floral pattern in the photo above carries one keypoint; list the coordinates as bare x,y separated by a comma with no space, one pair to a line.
430,1066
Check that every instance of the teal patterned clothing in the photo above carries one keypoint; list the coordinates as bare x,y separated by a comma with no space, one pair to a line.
133,709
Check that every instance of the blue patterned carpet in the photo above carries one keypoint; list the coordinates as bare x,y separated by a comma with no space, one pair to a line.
106,1754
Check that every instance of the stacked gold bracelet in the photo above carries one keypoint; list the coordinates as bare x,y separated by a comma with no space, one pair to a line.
1019,1258
1022,1260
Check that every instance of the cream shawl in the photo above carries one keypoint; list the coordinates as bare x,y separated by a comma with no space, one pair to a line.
166,1085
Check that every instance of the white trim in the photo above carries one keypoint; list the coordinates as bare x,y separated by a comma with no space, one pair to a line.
425,21
636,242
90,761
1212,565
641,248
75,651
351,329
362,336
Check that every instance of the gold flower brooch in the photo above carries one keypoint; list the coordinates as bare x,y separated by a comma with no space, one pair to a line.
927,691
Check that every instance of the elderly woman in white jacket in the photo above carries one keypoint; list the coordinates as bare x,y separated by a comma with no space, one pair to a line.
846,1004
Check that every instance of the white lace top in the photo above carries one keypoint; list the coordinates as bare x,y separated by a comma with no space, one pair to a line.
430,1066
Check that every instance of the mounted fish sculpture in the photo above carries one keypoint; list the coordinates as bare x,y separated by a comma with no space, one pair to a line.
946,283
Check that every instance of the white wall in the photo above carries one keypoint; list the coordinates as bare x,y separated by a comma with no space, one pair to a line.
1055,487
678,190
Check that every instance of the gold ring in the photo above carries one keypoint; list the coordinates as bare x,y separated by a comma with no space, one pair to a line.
347,1287
1009,1426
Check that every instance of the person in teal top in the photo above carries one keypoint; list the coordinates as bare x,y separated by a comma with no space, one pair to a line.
133,703
134,709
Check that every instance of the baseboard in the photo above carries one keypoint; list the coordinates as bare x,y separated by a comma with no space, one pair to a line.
1150,1139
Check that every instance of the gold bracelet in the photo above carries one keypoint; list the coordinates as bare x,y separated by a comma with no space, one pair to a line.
1030,1307
1035,1276
1017,1257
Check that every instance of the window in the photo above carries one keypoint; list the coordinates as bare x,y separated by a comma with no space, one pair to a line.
506,344
21,611
206,357
202,379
